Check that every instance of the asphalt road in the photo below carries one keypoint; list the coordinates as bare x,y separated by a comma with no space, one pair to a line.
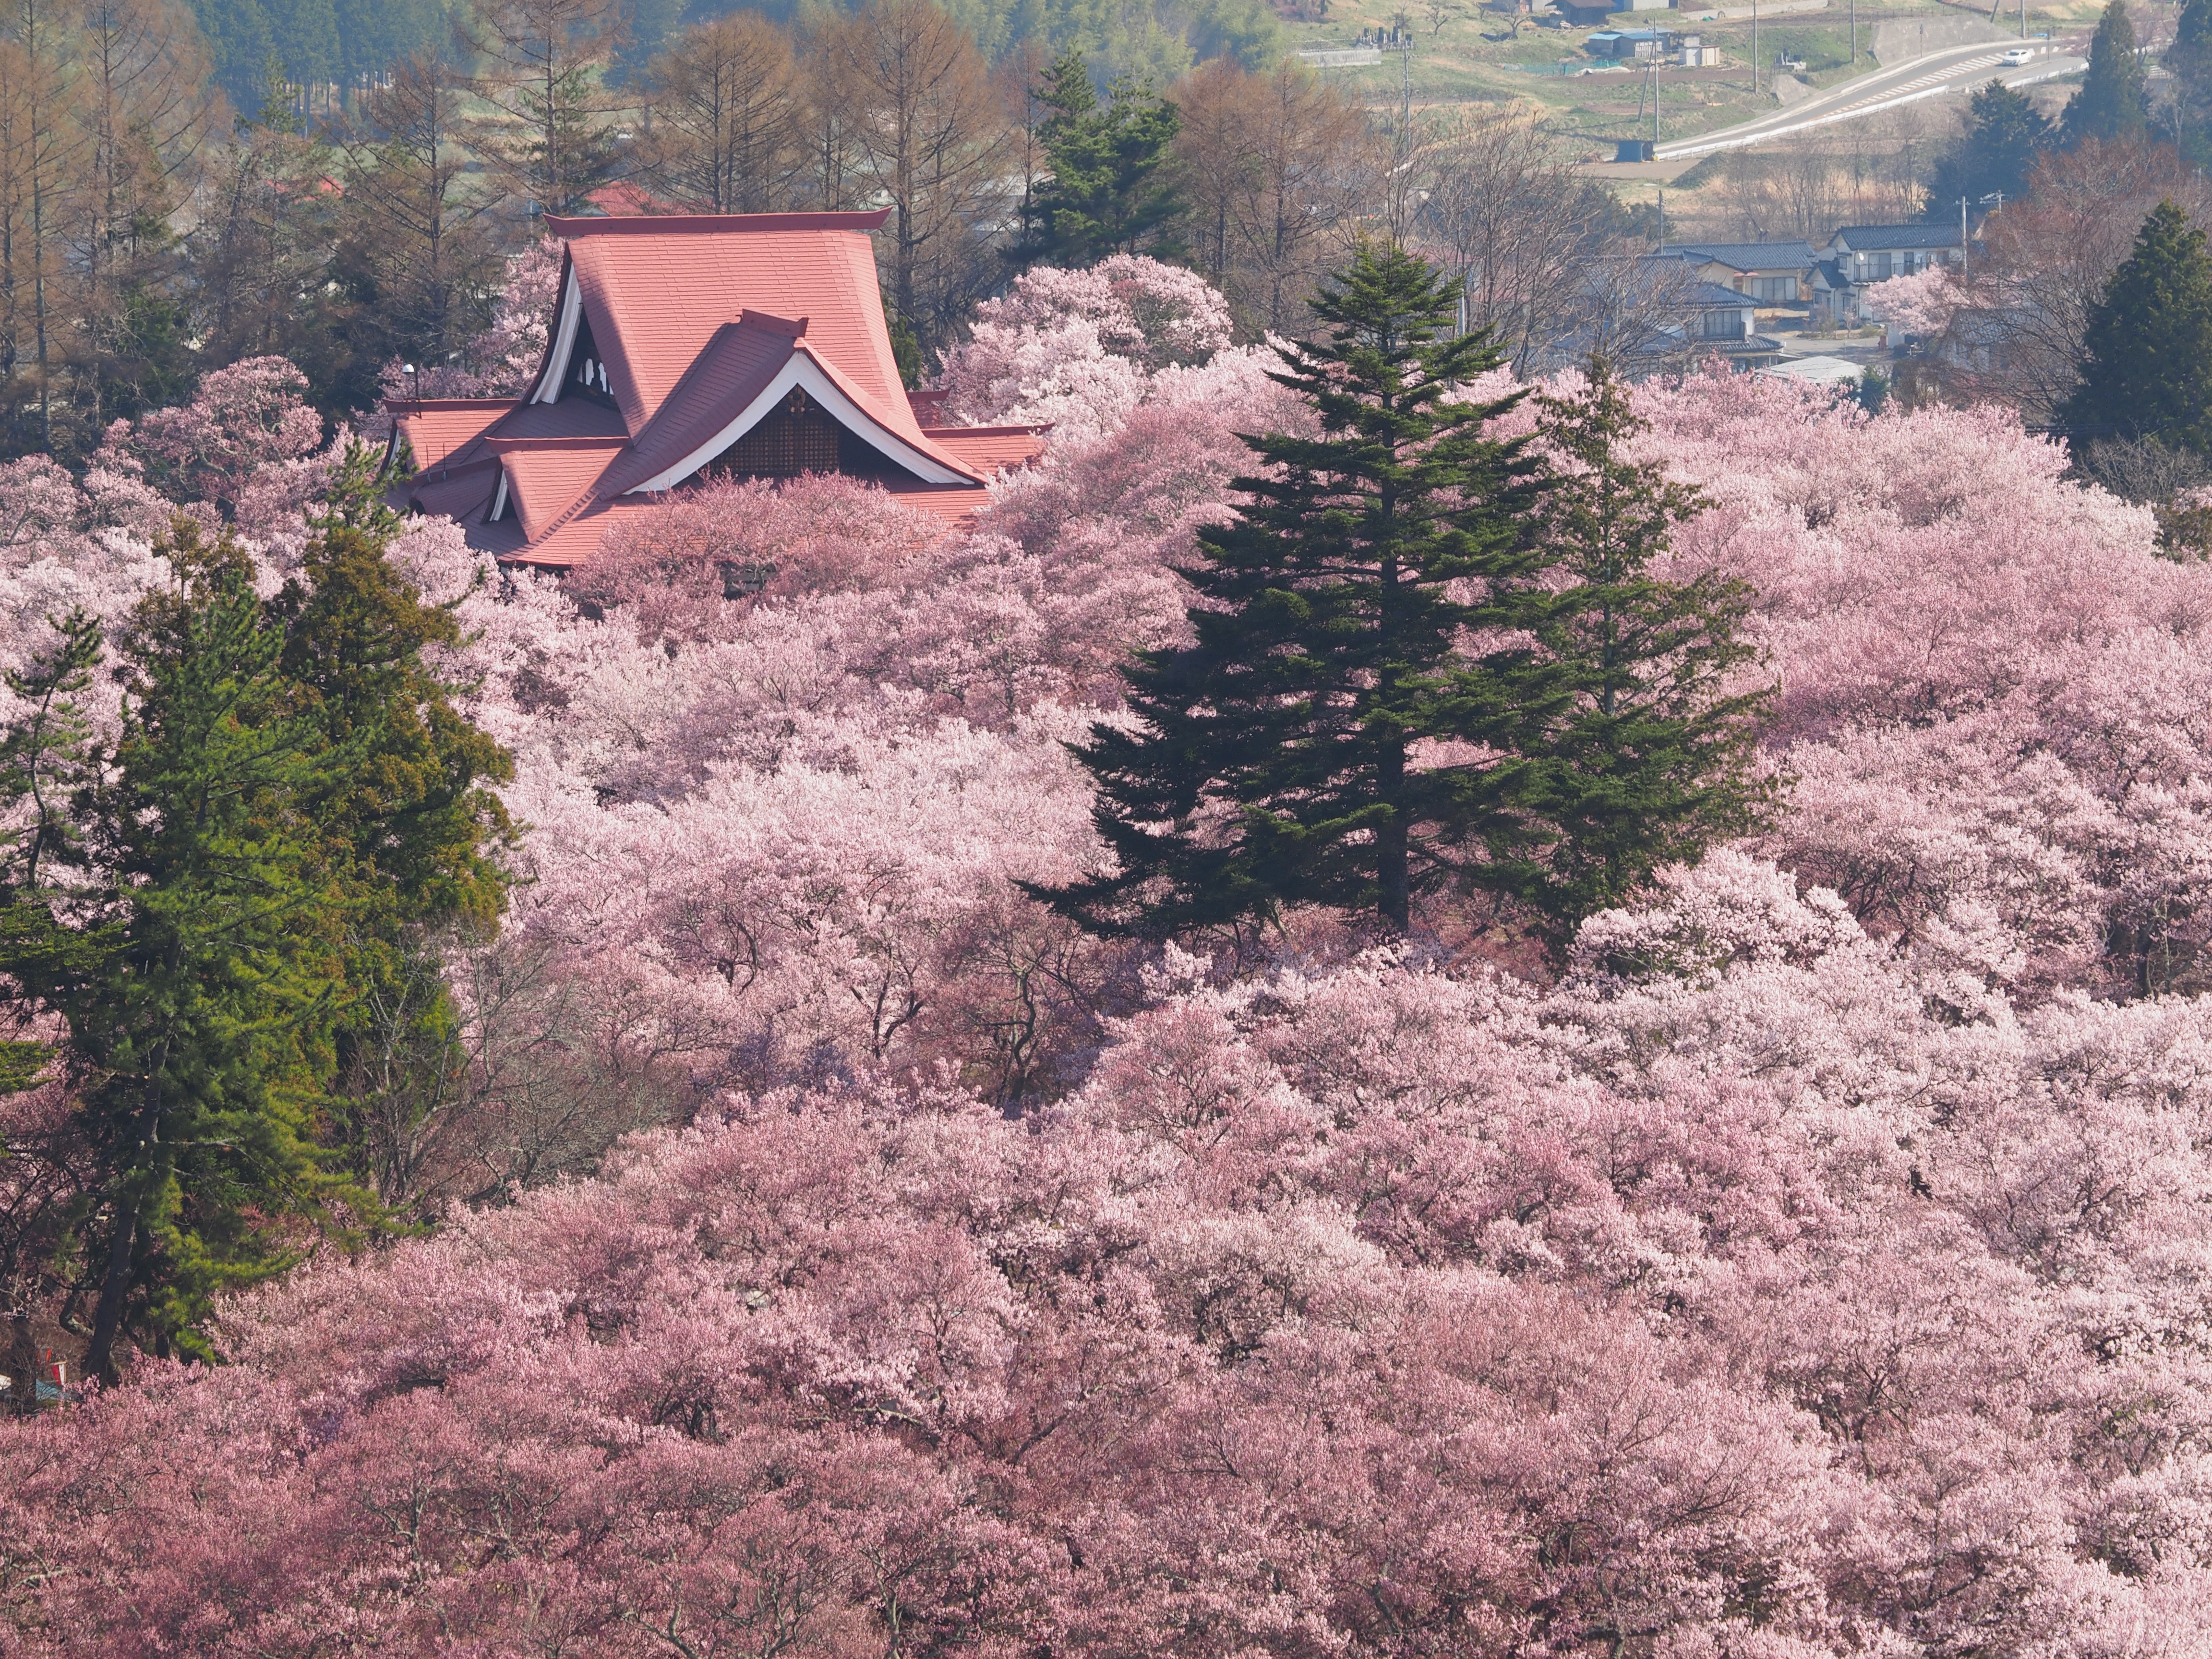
1954,69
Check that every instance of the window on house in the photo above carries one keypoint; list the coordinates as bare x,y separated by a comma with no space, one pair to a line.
1775,290
1720,324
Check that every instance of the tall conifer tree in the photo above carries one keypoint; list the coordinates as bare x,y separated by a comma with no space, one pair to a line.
1337,736
192,952
2189,60
1624,717
2004,135
1278,764
2110,104
2147,371
293,810
1107,193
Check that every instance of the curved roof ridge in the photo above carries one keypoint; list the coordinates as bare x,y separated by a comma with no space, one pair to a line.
678,224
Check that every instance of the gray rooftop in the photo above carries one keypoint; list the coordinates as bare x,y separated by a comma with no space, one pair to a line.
1716,294
1881,239
1749,256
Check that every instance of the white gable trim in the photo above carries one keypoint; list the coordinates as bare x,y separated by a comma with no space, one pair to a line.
498,501
548,389
803,372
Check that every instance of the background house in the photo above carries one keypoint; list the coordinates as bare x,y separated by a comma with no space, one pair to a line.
1767,273
1632,45
1654,314
1858,256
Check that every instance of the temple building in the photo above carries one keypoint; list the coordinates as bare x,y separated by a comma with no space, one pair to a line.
684,346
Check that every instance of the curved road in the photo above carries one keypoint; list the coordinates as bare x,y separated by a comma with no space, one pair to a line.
1954,69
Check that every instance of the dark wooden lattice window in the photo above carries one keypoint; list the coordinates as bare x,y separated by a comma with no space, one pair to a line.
797,437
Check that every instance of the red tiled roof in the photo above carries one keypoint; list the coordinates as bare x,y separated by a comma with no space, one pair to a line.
438,428
989,449
624,198
575,539
547,478
699,321
656,288
572,418
457,492
735,366
953,508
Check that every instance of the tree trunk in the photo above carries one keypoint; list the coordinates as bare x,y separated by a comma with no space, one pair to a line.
114,1292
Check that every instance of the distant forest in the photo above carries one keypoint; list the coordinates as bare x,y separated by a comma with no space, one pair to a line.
339,47
348,182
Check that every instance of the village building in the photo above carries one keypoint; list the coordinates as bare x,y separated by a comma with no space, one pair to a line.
1770,273
687,346
1859,256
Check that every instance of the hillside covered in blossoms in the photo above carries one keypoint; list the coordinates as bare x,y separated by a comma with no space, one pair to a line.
821,1246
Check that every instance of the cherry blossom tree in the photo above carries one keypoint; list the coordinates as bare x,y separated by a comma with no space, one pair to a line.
1812,1266
500,361
1922,303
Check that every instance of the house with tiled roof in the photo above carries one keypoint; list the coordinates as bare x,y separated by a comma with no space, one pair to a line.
1770,273
1859,256
686,346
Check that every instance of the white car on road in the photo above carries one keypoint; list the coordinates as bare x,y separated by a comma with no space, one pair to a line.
2016,57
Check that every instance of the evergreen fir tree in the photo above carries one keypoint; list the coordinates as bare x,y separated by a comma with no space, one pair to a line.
193,958
2147,371
409,830
1278,760
1626,733
2004,135
1107,192
293,812
2110,104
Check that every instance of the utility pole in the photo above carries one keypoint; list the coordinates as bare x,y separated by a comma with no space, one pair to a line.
1855,31
1662,218
1754,48
1963,245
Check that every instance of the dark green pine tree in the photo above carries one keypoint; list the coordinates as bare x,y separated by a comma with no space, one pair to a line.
1624,721
192,953
1108,191
1279,759
219,905
409,830
2004,135
2146,368
2110,104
